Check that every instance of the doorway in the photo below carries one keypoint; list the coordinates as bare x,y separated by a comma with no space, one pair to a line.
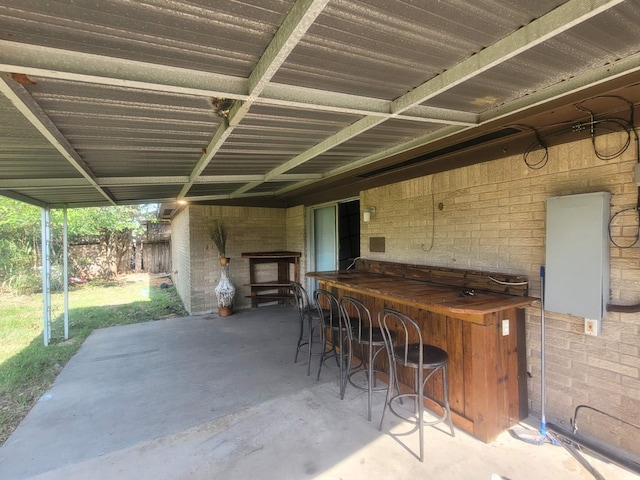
335,235
348,233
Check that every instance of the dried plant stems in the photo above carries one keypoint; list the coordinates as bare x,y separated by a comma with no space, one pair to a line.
219,237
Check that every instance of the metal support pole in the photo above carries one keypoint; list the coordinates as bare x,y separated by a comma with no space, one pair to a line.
543,421
46,275
65,273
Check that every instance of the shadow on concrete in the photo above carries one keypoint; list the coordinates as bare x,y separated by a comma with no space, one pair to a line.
35,366
207,397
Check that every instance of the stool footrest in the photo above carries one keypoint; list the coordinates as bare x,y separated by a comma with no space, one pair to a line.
365,387
414,420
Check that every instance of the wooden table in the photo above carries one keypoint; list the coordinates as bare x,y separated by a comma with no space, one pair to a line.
276,288
483,334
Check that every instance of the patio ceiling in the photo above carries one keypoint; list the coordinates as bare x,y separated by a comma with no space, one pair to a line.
269,102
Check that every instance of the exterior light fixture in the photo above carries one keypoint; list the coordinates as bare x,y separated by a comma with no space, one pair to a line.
368,213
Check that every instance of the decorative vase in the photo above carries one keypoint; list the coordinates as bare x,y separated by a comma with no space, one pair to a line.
225,289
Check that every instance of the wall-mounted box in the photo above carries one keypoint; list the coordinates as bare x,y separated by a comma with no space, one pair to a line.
577,254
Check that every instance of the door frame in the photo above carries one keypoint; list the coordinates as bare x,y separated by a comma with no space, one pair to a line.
311,258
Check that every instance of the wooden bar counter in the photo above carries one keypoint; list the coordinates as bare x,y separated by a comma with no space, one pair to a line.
483,333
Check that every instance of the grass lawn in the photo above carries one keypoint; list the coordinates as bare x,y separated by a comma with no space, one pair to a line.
28,368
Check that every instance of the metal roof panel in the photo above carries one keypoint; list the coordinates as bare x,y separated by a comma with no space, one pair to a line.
384,49
228,37
125,90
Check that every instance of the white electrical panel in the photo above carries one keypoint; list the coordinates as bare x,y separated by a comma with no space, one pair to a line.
577,257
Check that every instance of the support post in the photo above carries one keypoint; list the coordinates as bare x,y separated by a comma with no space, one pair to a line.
46,274
65,273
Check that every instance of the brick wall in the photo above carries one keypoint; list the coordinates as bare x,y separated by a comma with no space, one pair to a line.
181,257
491,216
248,230
296,235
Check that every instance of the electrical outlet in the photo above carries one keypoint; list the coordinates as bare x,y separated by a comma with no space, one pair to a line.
591,327
505,327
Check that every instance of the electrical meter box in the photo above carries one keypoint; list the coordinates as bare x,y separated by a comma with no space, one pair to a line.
577,254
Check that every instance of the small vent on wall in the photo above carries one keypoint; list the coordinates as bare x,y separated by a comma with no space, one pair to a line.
505,132
377,244
167,212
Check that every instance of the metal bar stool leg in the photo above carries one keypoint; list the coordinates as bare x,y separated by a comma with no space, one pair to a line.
420,398
330,323
422,358
371,379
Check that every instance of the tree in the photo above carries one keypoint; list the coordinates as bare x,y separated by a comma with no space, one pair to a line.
114,227
19,243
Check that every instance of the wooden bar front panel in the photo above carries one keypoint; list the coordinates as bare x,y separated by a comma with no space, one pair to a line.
487,382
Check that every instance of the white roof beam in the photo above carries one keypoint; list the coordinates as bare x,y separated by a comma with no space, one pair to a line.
24,103
322,100
590,79
294,26
557,21
82,67
395,150
57,183
342,136
24,199
203,198
9,183
553,23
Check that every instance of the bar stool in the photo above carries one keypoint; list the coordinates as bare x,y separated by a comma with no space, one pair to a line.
419,356
308,320
333,325
357,318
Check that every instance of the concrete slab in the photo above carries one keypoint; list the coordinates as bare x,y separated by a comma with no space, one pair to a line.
209,397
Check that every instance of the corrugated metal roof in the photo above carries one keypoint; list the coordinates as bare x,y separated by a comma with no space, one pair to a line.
159,100
228,37
368,143
384,49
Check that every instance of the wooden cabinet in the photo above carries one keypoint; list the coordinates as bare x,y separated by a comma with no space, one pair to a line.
275,288
484,335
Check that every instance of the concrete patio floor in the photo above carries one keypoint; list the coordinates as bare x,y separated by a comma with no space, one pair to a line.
204,397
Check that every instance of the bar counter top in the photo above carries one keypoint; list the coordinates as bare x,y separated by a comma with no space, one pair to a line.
433,297
483,334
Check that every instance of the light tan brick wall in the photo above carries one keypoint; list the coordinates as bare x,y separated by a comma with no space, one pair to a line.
296,235
181,257
248,230
492,217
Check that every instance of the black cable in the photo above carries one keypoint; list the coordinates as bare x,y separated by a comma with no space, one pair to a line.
616,121
626,125
611,222
538,143
611,125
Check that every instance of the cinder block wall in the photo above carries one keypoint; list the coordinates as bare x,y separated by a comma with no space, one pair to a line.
181,257
248,230
491,216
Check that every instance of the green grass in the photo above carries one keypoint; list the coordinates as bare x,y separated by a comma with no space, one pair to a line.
28,368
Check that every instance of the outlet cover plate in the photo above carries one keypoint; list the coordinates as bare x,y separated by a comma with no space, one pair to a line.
592,327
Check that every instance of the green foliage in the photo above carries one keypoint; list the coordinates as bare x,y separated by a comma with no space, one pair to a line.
20,244
105,220
27,367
